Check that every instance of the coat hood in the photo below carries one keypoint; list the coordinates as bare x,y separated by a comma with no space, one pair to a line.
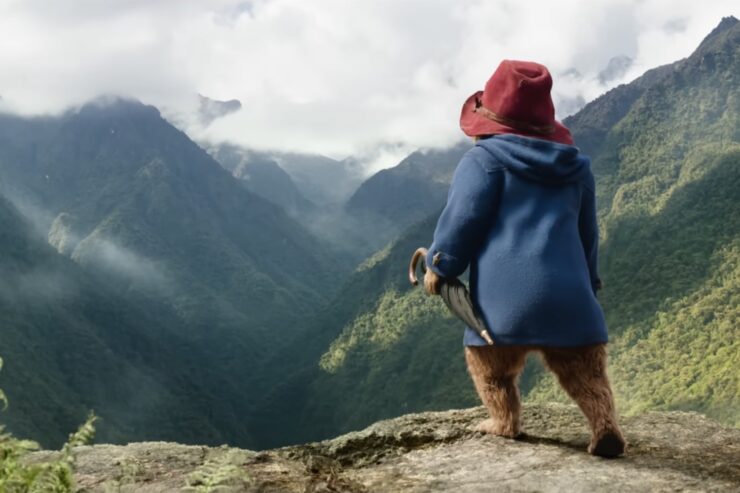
542,161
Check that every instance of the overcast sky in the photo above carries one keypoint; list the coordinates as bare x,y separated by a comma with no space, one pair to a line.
337,77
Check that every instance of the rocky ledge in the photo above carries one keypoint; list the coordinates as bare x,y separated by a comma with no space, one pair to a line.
437,451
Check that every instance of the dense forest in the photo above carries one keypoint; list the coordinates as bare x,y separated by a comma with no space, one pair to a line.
141,279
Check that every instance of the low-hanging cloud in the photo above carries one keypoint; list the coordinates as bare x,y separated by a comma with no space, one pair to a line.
330,76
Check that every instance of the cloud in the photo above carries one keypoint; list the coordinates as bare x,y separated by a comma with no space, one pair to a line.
31,283
105,255
330,76
97,250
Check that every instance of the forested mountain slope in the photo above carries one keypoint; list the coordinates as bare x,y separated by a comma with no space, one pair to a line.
666,155
149,215
260,174
72,344
326,181
406,193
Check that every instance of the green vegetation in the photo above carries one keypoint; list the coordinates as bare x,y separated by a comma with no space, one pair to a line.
76,342
225,471
400,196
395,354
384,325
261,175
170,286
677,367
20,475
683,357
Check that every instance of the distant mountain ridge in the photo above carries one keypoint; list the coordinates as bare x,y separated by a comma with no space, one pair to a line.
323,181
287,179
406,193
263,176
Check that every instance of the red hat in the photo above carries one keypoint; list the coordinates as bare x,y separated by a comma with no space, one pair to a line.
516,100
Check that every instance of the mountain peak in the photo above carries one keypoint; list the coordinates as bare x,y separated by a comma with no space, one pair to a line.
438,451
213,109
724,25
116,106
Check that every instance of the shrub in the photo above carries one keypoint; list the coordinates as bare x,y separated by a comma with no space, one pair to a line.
19,475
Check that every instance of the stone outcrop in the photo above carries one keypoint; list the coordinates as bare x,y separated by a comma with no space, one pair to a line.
438,451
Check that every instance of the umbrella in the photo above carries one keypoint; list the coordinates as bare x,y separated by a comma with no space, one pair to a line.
455,295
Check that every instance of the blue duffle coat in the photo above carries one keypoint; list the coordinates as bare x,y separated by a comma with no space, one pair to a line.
521,214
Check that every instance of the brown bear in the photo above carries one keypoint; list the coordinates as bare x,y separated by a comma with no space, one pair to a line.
521,215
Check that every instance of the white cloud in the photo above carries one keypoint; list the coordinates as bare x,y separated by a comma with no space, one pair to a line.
329,76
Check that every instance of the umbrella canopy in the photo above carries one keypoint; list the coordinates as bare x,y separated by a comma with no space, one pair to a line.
455,295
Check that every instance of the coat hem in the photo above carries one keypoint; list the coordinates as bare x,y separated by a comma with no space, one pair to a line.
514,341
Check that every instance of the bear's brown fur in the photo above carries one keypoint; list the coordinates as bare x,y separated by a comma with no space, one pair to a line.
581,371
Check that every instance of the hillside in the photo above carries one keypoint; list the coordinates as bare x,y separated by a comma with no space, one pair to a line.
667,169
147,212
286,179
377,331
72,343
263,176
399,196
668,451
322,180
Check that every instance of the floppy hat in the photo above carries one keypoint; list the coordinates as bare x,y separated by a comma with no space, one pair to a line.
516,100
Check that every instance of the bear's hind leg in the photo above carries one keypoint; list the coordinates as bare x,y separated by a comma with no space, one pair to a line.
495,370
581,371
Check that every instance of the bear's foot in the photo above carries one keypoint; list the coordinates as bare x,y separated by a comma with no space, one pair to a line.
609,445
497,428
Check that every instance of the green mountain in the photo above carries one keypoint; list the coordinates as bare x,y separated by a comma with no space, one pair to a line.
150,215
72,343
326,181
666,155
399,196
261,175
322,180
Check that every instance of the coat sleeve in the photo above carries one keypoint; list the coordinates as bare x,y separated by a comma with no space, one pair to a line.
589,232
466,218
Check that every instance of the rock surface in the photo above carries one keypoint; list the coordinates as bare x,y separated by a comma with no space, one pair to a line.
437,451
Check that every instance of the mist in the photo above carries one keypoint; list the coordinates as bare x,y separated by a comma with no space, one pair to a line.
370,80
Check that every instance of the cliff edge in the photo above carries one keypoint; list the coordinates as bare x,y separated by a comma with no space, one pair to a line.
437,451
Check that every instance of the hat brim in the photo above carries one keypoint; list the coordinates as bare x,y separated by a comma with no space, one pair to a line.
474,125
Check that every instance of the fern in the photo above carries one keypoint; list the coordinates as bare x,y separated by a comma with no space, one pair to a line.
3,397
54,476
219,473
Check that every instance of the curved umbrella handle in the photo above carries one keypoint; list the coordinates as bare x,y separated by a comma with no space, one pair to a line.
455,295
420,253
